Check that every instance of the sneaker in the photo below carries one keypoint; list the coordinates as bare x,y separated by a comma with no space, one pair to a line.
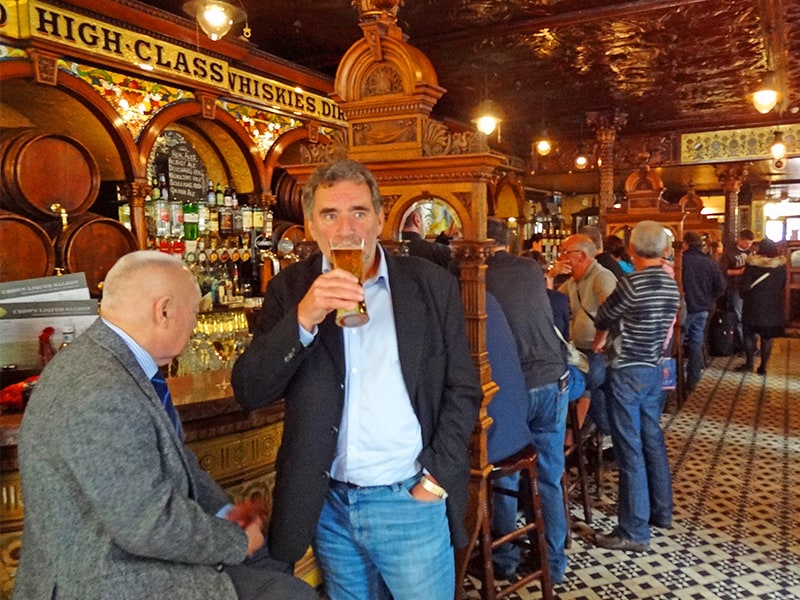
614,541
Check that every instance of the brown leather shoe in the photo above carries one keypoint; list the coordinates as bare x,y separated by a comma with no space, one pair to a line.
614,541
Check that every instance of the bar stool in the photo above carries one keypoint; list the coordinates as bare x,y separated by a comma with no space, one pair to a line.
530,535
574,456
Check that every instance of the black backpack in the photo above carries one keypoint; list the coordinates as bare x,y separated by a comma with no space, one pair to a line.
721,328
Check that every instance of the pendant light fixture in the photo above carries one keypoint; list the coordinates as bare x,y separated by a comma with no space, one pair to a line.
487,116
766,96
778,147
543,144
581,158
216,17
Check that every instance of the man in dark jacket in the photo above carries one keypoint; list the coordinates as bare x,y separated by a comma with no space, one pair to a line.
414,233
373,465
519,286
703,282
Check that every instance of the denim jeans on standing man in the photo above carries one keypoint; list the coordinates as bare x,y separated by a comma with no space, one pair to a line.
645,484
381,543
694,334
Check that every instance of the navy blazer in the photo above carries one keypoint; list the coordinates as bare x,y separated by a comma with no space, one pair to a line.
439,373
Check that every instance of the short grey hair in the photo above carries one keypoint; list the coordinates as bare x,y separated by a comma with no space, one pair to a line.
340,170
649,239
594,234
585,244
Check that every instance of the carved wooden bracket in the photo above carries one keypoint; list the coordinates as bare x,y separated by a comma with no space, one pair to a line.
208,104
45,66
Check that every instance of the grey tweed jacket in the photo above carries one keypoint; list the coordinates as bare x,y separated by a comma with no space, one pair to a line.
115,505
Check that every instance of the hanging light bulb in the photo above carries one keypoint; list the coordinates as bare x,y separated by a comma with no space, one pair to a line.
543,144
215,17
778,148
581,160
487,116
767,94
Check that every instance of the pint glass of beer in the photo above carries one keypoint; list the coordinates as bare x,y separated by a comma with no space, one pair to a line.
347,252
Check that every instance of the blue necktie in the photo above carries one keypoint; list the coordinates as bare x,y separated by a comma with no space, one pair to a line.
162,389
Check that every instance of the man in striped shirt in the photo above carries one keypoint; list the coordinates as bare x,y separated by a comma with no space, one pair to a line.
632,326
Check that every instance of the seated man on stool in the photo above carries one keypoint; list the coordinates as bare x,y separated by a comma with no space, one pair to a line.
509,432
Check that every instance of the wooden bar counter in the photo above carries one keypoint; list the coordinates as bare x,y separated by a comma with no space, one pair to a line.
236,446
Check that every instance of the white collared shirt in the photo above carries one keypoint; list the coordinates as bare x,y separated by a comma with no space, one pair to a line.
380,437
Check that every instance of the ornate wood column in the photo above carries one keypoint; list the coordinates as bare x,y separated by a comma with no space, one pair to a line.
731,176
471,256
136,191
606,125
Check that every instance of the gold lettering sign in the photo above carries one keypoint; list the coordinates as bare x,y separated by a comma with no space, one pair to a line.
23,19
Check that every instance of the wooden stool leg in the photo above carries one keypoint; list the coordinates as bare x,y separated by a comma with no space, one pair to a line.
583,477
537,538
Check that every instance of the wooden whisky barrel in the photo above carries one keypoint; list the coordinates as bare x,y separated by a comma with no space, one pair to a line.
26,251
287,230
92,244
289,198
39,169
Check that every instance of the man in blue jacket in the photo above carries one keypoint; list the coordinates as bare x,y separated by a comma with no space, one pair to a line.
703,282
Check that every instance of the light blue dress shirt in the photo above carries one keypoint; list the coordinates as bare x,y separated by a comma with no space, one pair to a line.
380,437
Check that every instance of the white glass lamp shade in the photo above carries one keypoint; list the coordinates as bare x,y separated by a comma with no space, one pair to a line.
543,145
767,95
778,148
215,17
487,115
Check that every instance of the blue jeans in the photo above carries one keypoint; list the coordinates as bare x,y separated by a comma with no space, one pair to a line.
694,333
736,304
645,484
599,392
379,543
547,420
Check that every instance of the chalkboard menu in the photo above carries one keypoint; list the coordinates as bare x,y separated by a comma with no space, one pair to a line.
186,173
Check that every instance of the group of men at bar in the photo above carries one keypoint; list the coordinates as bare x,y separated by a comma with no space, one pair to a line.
373,467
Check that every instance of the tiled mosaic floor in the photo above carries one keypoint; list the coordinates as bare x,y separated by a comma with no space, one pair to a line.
734,449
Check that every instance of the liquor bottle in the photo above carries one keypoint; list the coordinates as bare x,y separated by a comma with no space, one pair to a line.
247,218
258,219
67,336
213,221
219,195
225,221
191,220
162,218
162,184
211,196
155,191
227,197
238,220
268,219
176,226
202,217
